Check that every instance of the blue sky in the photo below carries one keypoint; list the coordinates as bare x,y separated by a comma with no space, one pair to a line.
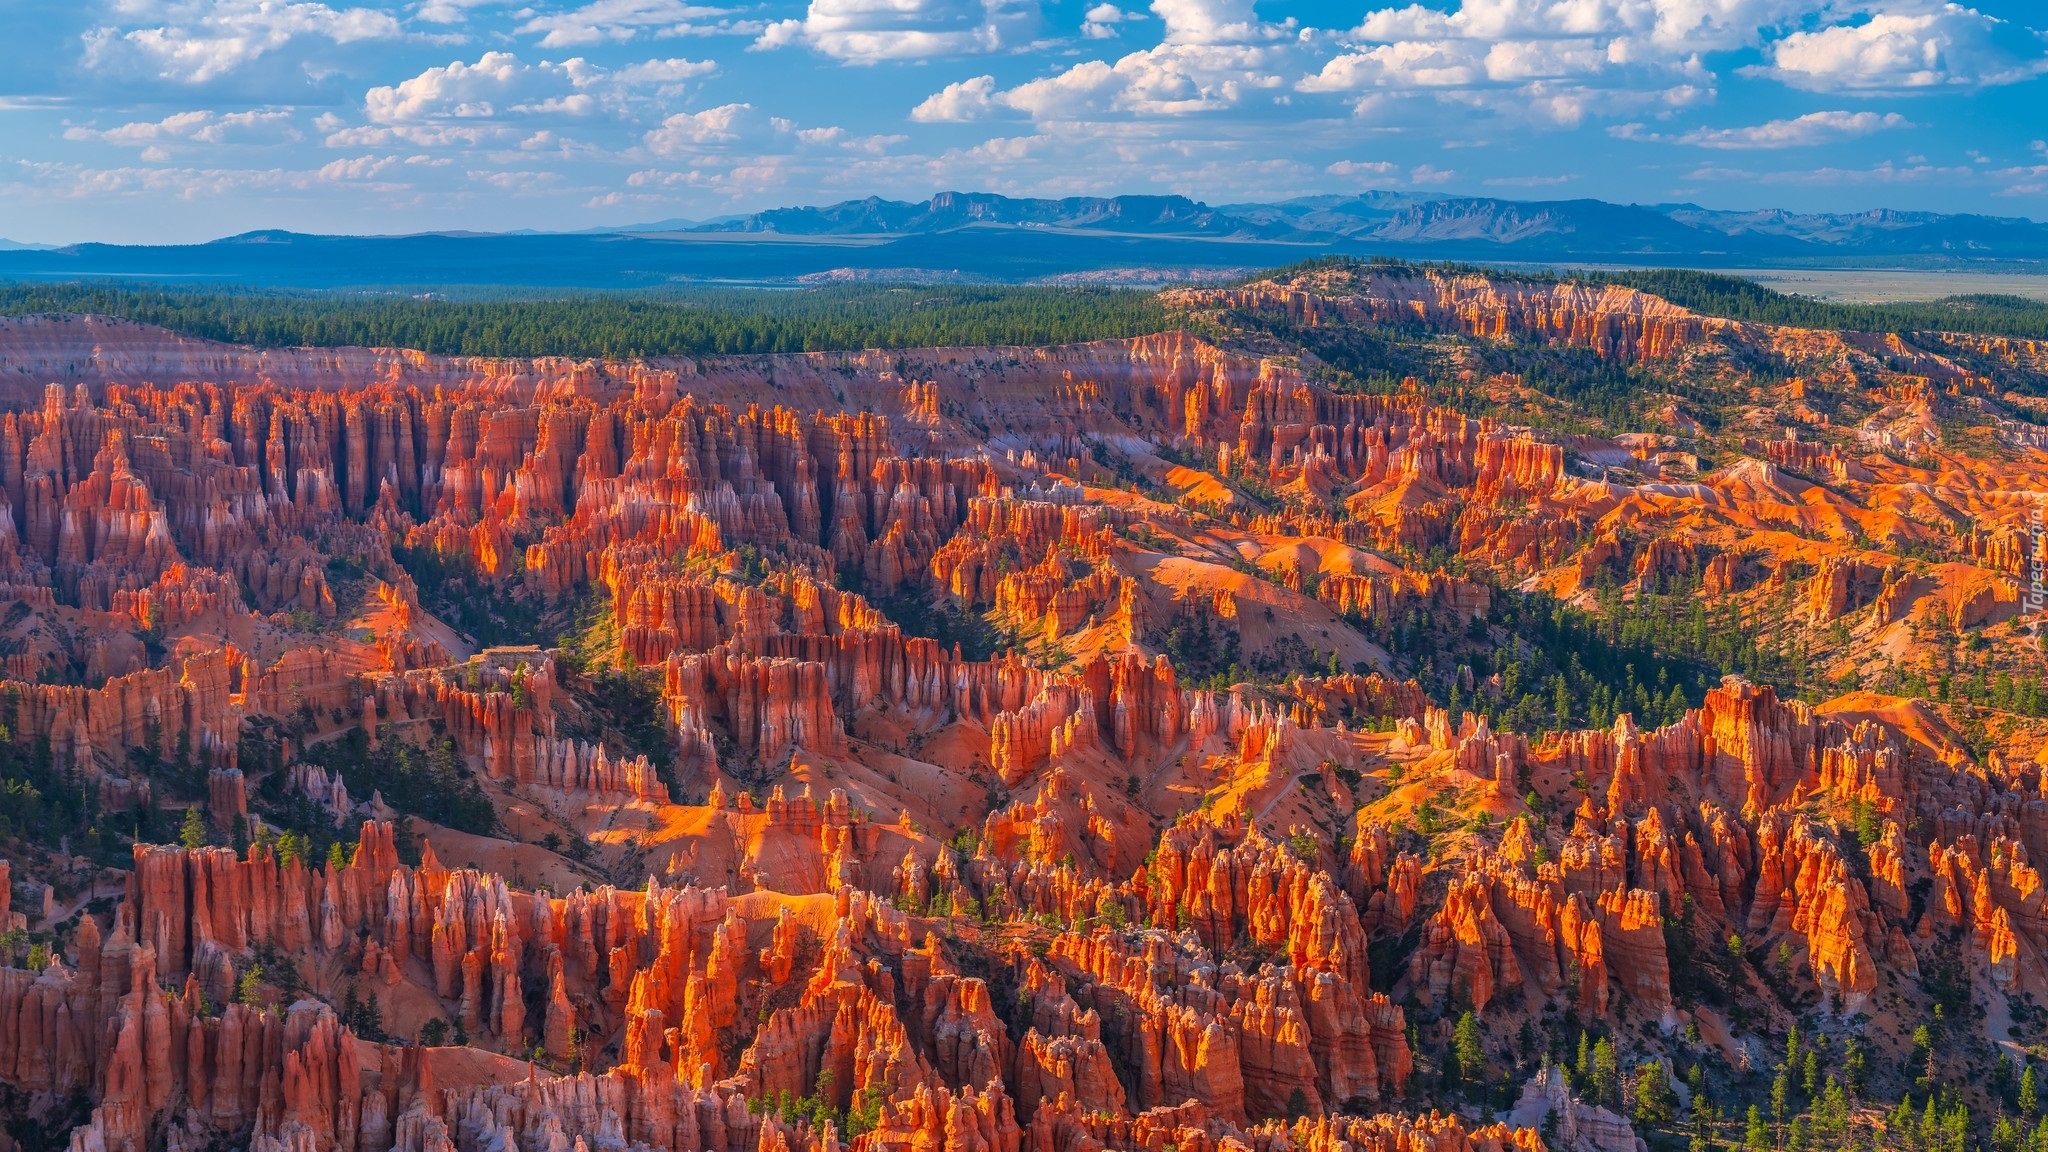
182,120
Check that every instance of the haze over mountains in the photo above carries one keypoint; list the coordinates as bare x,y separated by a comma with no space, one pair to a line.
985,236
1563,228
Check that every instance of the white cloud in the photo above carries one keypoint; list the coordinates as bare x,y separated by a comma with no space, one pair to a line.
1215,54
195,41
688,132
1667,30
1101,21
499,84
1529,181
199,127
870,31
664,71
1404,64
46,180
1368,169
451,11
1948,47
1810,130
516,182
1511,61
359,168
1216,22
875,145
619,20
458,90
2028,181
418,135
960,100
1169,80
1548,62
652,178
735,146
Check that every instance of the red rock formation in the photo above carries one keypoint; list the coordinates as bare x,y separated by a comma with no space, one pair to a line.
1465,951
1617,322
1393,596
769,705
227,801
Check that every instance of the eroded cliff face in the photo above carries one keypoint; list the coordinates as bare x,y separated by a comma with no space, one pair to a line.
1611,320
650,984
1033,748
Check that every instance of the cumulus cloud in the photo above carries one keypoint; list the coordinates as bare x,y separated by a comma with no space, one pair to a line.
1404,64
358,168
1169,80
671,71
195,41
961,100
451,11
1810,130
870,31
714,129
1948,47
1548,61
457,90
621,20
1366,169
1101,21
739,148
1216,22
500,85
1215,53
1637,29
197,127
687,132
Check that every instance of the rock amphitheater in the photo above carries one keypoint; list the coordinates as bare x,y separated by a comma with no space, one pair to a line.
872,887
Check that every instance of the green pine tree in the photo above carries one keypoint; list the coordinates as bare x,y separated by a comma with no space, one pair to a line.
1756,1135
193,833
249,990
1606,1074
1467,1050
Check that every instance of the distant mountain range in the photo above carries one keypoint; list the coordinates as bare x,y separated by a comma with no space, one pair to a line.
979,236
1503,229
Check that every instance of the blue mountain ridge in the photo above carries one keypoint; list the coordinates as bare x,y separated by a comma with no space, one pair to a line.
985,236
